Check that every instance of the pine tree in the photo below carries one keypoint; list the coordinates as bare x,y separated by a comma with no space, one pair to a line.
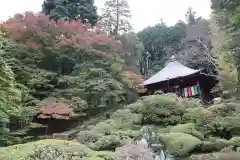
71,10
190,16
115,17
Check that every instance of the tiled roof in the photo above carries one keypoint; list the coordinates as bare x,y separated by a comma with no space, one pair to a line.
171,71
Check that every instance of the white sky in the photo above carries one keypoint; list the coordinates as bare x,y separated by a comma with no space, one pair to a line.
144,12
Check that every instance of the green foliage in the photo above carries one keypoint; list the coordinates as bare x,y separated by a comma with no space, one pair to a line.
200,116
188,128
180,144
49,153
86,79
12,99
126,116
110,142
161,109
225,29
115,17
224,109
71,10
217,156
118,130
133,49
88,137
160,41
224,127
190,16
53,149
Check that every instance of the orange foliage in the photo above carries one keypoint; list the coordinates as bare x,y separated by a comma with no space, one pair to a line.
51,108
137,81
36,29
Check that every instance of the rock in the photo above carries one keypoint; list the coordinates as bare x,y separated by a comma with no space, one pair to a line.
217,100
143,143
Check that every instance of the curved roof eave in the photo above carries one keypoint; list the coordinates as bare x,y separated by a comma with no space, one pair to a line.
173,70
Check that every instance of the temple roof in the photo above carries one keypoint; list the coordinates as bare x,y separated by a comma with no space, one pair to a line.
172,70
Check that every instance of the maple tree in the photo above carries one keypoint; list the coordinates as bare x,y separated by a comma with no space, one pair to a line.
37,29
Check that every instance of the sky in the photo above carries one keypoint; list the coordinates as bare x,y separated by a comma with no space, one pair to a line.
144,12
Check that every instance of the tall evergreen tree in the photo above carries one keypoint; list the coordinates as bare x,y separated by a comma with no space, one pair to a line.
71,10
190,16
115,17
226,35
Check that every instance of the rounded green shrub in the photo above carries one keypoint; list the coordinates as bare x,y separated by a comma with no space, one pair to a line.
180,144
160,109
235,142
128,134
224,127
110,142
223,109
200,116
88,137
49,153
188,128
126,116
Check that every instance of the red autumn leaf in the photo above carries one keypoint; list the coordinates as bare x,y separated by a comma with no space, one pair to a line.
37,29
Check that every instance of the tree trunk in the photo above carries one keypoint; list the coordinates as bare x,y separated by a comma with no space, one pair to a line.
117,23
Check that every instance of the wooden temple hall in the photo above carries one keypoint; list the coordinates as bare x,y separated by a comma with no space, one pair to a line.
184,81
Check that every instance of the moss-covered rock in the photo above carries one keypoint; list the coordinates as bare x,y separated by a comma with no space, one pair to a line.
180,144
188,128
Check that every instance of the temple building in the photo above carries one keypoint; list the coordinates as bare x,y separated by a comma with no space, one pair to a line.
184,81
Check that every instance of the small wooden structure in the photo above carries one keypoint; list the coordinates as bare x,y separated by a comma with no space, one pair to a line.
57,115
184,81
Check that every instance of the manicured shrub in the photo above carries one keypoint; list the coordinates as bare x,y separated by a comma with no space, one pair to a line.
110,142
160,109
126,116
49,153
188,128
88,137
224,127
180,144
224,109
200,116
